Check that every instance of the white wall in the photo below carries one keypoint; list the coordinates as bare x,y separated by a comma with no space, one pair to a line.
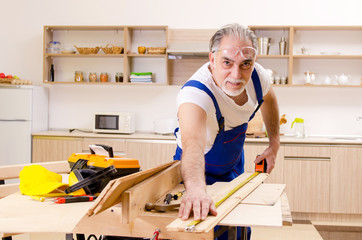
326,110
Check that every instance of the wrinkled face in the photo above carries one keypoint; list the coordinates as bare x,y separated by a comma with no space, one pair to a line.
232,65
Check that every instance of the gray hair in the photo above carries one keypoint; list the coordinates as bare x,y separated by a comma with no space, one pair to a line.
232,30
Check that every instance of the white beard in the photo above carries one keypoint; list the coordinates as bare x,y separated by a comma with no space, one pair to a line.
234,92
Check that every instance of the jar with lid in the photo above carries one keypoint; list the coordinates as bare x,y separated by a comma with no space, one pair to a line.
92,77
54,47
104,77
78,76
119,77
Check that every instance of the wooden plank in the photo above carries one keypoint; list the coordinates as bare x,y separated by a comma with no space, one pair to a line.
226,207
254,215
149,191
111,195
265,194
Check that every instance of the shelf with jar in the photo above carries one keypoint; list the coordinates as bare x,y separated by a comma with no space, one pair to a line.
315,55
332,53
97,49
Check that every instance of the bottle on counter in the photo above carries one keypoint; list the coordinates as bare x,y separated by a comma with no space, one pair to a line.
51,74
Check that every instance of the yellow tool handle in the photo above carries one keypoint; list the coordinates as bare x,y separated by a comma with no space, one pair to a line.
191,226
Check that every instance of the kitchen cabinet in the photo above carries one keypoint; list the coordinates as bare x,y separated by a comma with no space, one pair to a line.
128,37
346,180
151,153
307,177
49,148
325,51
251,150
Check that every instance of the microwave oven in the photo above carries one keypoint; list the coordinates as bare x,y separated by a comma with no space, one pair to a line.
114,122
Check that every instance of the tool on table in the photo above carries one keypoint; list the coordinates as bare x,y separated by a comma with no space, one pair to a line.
260,169
90,173
168,199
156,234
178,195
166,206
102,157
161,207
72,199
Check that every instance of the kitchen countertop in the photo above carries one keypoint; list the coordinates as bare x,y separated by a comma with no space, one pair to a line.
330,140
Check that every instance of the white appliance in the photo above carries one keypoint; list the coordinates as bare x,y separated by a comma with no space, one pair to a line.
23,110
114,122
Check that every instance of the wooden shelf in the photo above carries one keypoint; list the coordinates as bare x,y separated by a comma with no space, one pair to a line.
340,56
146,55
86,55
128,37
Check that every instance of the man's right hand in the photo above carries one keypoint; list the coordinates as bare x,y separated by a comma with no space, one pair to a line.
198,201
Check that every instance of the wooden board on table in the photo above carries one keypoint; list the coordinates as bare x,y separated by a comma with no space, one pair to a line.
111,194
254,215
265,194
226,206
148,191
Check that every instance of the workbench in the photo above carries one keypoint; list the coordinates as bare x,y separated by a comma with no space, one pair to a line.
21,214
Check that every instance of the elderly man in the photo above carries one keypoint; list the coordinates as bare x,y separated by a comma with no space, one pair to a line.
214,108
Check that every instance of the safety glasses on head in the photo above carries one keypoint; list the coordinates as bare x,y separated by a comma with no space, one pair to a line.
230,51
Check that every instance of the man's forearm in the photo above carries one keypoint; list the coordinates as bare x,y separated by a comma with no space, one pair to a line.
193,169
270,112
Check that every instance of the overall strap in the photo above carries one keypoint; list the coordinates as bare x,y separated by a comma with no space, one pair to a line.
258,90
201,86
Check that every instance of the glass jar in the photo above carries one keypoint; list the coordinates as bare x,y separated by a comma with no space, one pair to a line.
54,47
104,77
119,77
92,77
78,76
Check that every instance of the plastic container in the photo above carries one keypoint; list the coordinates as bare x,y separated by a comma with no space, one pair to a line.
299,131
54,47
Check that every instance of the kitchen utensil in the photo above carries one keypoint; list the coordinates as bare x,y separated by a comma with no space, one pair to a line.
299,131
263,45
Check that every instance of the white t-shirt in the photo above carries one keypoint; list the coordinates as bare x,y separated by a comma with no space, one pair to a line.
234,115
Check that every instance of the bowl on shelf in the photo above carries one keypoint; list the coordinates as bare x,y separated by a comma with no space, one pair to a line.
111,49
87,50
68,51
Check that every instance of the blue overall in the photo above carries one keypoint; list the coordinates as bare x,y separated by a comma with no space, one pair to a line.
225,160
